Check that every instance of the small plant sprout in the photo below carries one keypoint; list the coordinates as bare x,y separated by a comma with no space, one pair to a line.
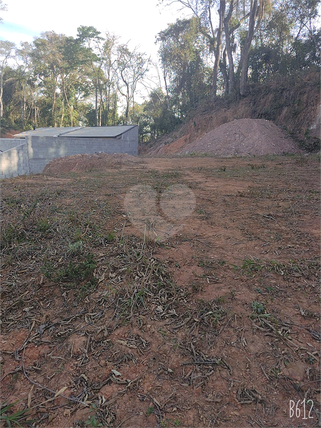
258,308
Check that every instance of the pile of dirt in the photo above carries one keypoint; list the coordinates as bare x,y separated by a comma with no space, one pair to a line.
240,137
87,162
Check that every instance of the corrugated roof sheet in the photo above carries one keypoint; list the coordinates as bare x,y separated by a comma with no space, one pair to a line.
99,131
46,132
81,132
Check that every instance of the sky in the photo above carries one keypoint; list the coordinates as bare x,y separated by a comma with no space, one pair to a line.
135,21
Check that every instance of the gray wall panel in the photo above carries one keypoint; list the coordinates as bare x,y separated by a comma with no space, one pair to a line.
9,143
14,162
44,149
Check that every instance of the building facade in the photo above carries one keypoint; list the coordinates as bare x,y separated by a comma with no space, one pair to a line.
30,151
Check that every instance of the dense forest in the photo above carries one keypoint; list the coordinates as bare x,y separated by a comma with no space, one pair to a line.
94,80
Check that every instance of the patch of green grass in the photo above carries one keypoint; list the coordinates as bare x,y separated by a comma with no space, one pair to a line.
77,235
28,211
76,247
11,234
8,419
150,410
80,271
251,266
200,211
43,225
110,237
11,201
73,273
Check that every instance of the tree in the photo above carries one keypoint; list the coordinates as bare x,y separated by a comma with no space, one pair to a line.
26,80
286,41
157,119
181,52
131,69
246,20
108,86
6,49
202,10
90,38
256,13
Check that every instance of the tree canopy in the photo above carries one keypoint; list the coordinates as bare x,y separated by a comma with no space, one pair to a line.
93,79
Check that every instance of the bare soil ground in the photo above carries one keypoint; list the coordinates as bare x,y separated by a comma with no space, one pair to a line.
219,325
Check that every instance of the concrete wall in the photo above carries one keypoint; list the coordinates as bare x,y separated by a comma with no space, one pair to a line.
9,143
41,150
32,154
14,162
131,141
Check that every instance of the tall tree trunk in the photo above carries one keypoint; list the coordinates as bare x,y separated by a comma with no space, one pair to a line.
218,46
223,68
107,95
24,106
127,106
231,79
54,108
62,114
71,109
246,48
1,93
96,102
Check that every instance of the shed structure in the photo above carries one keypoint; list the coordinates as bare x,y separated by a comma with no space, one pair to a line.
30,151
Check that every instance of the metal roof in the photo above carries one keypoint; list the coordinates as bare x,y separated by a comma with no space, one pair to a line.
99,131
80,132
45,132
22,134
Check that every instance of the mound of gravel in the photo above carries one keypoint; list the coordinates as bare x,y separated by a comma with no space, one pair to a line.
87,162
241,137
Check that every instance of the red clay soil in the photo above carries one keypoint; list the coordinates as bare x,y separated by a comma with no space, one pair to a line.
86,162
217,326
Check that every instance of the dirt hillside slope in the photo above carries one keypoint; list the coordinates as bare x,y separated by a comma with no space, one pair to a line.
237,138
292,103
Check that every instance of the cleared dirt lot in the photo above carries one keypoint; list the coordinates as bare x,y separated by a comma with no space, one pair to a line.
218,325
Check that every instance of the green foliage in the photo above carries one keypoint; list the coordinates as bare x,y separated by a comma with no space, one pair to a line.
72,81
74,272
258,308
13,419
76,247
182,47
150,410
43,225
250,266
11,234
110,237
93,420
